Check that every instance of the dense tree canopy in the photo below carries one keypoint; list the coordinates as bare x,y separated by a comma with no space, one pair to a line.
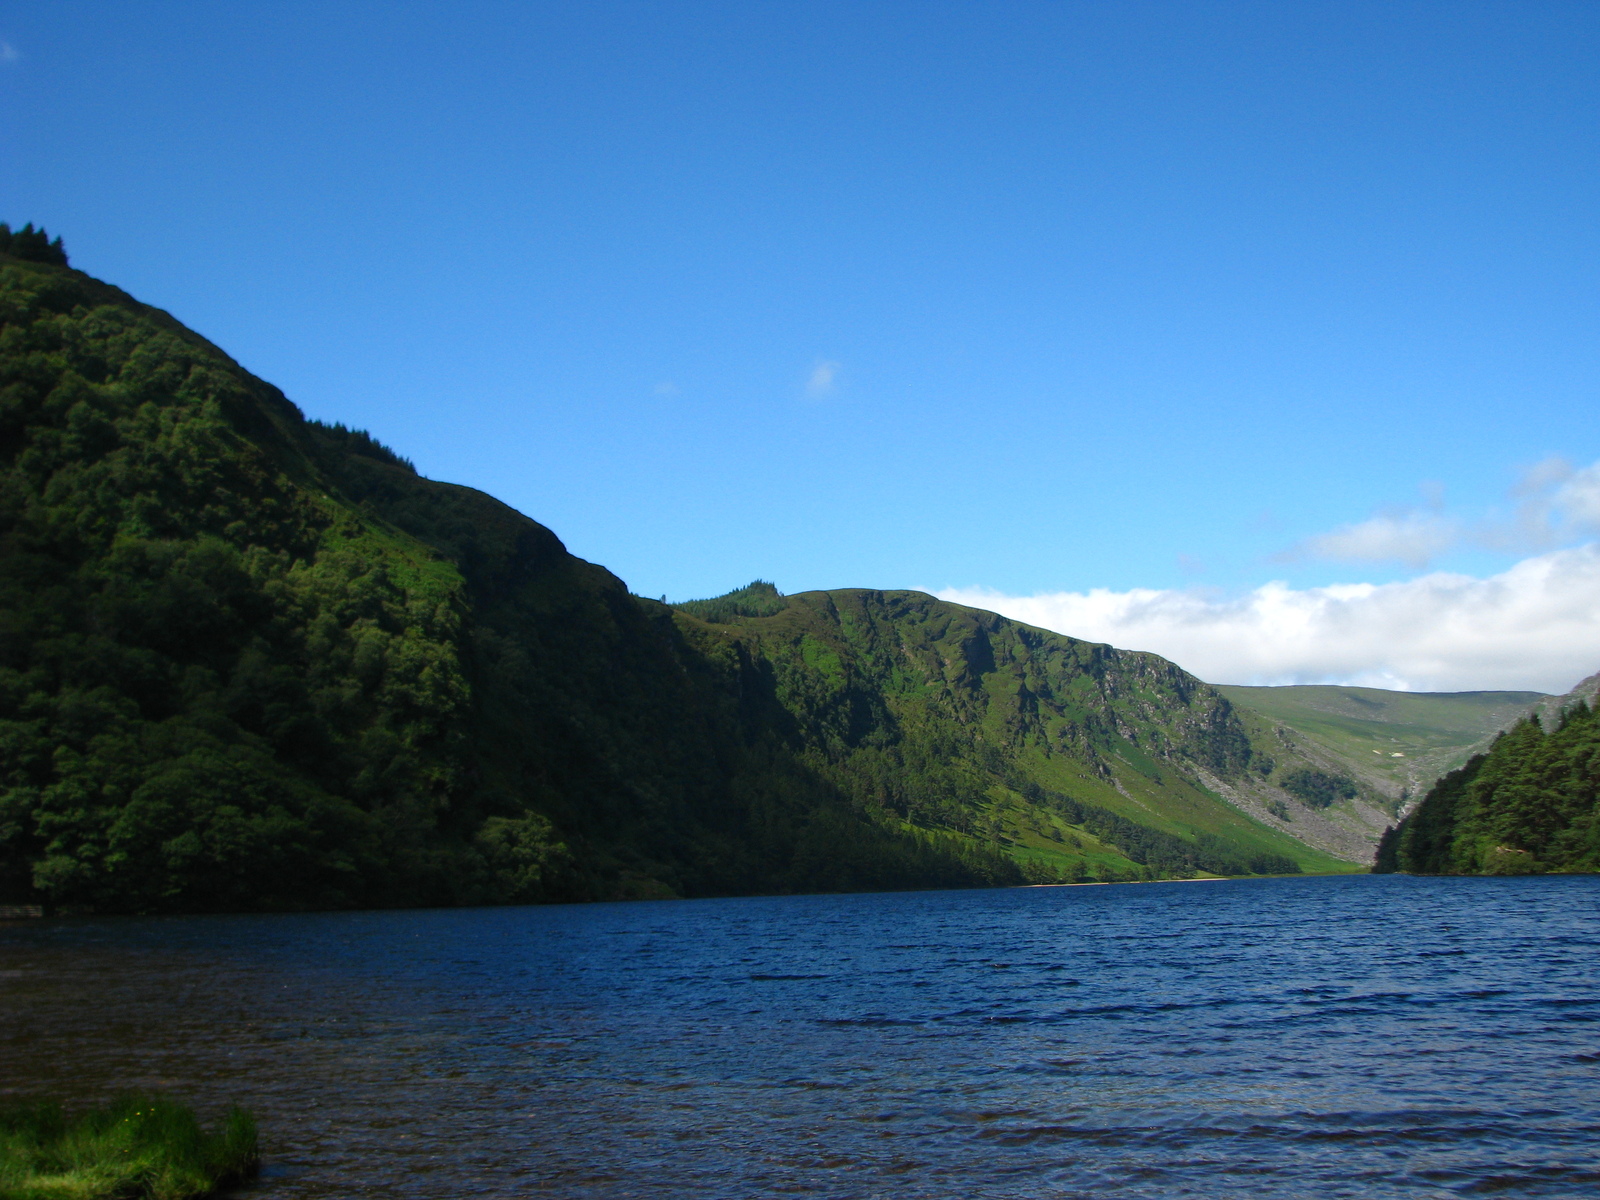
1530,805
1320,789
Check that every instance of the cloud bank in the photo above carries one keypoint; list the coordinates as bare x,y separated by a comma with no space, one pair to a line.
1534,627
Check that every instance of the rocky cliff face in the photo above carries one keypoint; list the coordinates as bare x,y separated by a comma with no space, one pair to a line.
882,678
1550,709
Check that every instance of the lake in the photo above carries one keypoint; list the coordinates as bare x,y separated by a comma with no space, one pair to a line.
1360,1036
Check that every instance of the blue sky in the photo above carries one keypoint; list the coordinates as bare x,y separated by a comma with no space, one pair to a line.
1034,299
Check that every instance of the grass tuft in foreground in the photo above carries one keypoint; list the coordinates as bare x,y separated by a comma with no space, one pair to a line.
139,1148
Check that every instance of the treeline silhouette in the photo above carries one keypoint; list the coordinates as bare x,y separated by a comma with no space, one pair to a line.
32,245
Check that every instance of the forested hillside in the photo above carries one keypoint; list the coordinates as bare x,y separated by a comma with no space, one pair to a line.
250,661
1528,806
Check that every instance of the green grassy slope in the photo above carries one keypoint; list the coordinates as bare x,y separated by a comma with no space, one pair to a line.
250,661
956,718
1398,743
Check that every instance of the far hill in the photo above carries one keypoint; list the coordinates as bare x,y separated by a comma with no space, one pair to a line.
1396,743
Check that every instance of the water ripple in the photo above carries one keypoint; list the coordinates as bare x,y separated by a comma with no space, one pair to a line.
1364,1037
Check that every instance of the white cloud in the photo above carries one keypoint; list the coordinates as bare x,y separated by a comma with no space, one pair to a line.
823,377
1555,503
1535,626
1572,506
1542,475
1414,538
667,388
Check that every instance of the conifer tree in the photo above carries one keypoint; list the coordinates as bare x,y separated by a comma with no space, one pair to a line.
32,245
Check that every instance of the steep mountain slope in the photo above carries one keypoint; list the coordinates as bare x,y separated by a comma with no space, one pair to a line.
953,718
1550,709
1531,804
249,661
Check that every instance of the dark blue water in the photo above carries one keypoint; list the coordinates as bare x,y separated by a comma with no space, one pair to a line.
1359,1036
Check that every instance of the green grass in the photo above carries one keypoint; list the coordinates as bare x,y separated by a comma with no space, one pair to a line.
138,1148
1393,739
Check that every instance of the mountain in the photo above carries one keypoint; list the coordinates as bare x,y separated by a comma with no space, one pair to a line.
1396,743
250,661
1549,710
1529,805
1059,751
